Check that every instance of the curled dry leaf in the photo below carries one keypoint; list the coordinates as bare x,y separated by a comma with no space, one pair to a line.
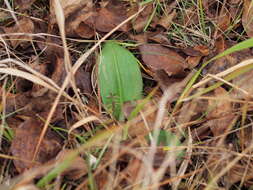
69,7
81,23
25,26
25,141
247,16
195,54
157,57
199,50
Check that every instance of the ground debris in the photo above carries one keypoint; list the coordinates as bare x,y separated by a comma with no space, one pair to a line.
25,141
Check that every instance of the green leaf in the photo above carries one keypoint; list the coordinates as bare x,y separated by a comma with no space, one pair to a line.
119,78
170,142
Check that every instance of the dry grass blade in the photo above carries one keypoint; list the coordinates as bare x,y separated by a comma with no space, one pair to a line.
82,122
184,165
213,181
230,84
26,76
24,66
190,126
3,107
226,72
168,96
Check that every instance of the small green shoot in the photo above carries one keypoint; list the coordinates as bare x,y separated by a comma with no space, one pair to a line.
170,141
119,78
8,133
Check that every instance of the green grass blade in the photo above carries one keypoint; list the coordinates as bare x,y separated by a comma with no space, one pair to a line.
229,77
238,47
62,166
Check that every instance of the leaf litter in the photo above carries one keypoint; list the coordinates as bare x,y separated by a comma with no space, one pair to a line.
165,45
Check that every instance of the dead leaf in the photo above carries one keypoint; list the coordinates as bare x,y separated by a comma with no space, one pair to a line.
81,24
83,81
132,170
101,179
234,7
247,16
221,112
78,167
220,158
59,72
110,16
25,141
82,19
17,102
143,123
139,38
217,159
245,136
223,20
4,15
164,80
160,38
210,7
242,170
166,20
244,82
78,17
228,61
140,22
198,50
157,57
83,30
192,111
25,26
69,8
190,16
24,4
193,61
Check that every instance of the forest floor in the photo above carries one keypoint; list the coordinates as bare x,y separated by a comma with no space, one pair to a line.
126,94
